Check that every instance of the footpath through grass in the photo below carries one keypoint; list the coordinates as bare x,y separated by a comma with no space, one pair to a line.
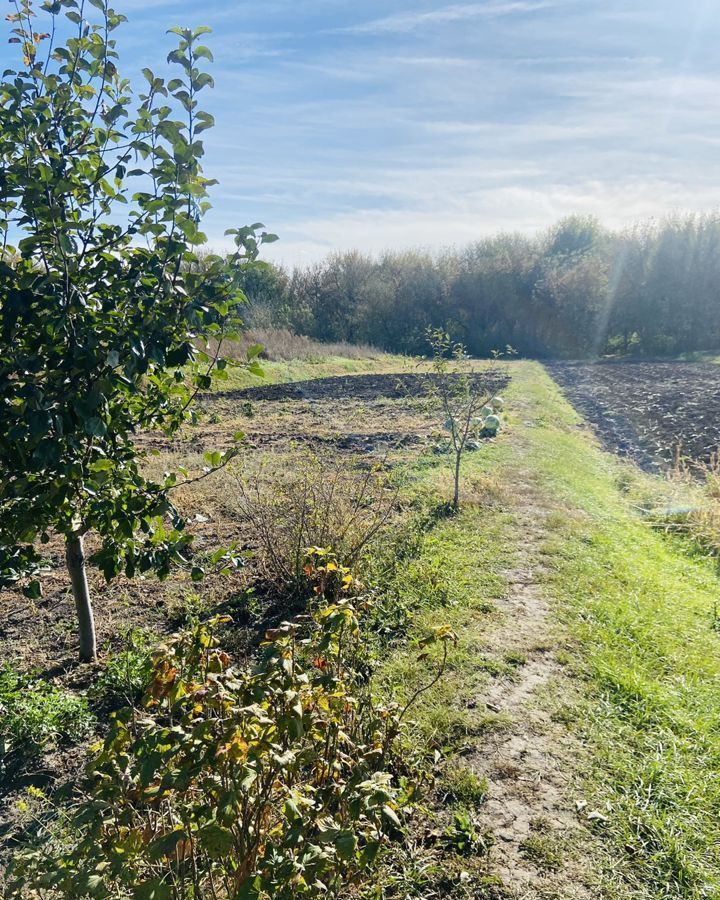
636,609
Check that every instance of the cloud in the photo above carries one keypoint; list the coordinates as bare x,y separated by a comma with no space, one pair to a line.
433,122
470,217
405,22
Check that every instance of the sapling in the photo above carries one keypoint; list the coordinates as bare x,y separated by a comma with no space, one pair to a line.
466,397
111,318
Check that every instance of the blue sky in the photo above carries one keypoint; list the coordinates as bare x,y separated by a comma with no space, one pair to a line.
392,124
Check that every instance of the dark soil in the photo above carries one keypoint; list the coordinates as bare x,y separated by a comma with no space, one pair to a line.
648,411
354,387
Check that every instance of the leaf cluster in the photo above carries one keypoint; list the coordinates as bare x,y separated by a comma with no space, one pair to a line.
270,782
110,320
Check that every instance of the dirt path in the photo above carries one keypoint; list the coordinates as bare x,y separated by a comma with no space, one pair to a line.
529,765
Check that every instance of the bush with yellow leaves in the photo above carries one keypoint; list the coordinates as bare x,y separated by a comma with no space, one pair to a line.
277,781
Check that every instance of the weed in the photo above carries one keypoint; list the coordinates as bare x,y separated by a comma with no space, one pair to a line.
36,714
126,673
187,608
460,784
466,837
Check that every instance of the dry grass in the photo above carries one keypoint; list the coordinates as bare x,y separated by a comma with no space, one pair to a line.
314,501
690,503
281,344
704,521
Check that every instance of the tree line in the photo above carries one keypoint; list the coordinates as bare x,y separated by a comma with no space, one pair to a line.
576,290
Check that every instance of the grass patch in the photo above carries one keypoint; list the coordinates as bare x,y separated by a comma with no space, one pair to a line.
459,784
545,851
641,609
283,371
470,553
35,714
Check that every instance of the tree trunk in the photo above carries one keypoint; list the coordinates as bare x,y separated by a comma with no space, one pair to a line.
456,496
75,559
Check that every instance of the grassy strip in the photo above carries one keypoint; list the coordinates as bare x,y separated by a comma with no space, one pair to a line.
286,371
641,606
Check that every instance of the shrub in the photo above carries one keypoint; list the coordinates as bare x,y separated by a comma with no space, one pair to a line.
272,782
316,501
35,714
126,673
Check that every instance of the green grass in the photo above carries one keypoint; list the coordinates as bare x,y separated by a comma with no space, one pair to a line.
636,611
470,552
286,371
640,606
544,851
461,785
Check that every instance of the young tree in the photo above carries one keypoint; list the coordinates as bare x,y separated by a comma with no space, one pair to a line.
106,310
463,395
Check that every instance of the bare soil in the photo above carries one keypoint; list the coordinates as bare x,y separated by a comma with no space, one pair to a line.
648,411
355,387
541,843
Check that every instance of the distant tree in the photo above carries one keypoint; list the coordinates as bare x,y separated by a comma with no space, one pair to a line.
105,304
266,287
574,235
577,290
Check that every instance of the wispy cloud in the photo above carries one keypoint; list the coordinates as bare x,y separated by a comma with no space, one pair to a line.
404,22
375,126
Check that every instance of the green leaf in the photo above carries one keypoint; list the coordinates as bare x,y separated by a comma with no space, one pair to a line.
166,844
153,890
33,590
95,427
216,840
250,889
390,814
346,845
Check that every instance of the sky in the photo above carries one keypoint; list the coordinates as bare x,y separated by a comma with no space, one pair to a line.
381,125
